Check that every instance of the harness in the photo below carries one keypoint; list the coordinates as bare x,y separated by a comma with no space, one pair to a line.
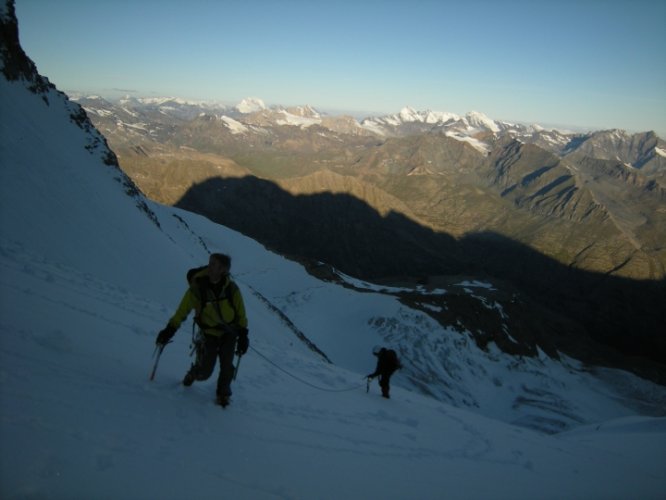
227,293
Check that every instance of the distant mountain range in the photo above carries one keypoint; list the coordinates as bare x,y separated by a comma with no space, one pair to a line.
480,131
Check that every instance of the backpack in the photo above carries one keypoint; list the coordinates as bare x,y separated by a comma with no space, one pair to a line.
392,359
195,272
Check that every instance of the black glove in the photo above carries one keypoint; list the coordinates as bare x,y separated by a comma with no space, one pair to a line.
243,342
165,335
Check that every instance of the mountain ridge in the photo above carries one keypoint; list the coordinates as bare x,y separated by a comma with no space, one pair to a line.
275,143
404,123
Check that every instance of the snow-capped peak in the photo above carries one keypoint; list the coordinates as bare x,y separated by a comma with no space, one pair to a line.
299,119
440,117
250,105
160,101
460,128
408,114
306,111
479,120
234,126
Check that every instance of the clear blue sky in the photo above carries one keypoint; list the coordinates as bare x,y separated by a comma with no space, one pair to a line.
587,63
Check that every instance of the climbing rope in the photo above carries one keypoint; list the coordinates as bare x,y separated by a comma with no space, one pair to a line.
305,381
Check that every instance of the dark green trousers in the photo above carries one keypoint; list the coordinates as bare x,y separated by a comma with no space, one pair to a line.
211,349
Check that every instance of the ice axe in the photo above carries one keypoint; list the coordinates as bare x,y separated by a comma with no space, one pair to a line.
237,365
156,354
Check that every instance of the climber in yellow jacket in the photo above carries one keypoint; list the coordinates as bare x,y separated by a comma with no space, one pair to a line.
220,315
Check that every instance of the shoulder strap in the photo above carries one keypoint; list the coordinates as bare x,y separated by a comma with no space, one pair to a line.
198,287
228,293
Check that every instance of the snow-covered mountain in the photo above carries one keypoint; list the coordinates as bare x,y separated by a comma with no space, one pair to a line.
155,116
484,133
91,270
475,128
250,105
175,107
299,116
408,119
472,123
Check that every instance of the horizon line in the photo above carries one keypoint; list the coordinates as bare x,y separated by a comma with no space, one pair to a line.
117,93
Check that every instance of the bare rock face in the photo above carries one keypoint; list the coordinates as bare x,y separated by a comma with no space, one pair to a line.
631,149
18,67
15,63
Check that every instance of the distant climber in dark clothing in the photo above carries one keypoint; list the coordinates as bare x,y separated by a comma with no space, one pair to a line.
387,364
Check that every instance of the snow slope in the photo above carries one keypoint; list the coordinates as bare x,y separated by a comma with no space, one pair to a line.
88,278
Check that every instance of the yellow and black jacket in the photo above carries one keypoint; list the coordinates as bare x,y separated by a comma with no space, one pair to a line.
215,311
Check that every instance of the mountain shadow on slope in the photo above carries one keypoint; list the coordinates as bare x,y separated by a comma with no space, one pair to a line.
338,229
624,315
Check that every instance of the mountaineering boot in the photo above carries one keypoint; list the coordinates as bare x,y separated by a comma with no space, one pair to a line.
223,401
385,388
189,378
